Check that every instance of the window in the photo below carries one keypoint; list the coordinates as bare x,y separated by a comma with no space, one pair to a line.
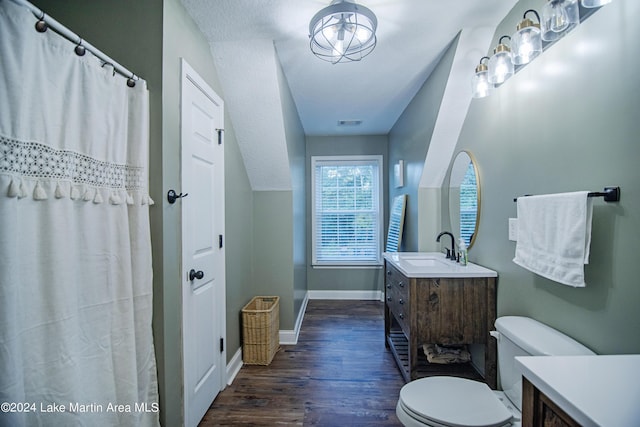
468,204
347,210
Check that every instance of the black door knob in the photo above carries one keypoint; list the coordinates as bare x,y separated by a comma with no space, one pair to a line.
172,196
195,274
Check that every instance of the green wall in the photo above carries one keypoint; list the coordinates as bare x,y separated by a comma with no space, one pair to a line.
273,250
409,141
296,149
239,241
344,279
566,122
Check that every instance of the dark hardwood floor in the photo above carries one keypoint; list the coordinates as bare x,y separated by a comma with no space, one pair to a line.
339,374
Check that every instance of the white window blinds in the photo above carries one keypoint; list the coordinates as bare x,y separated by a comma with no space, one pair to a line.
468,204
347,216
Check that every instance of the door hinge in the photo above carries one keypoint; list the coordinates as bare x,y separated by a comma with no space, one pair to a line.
219,135
221,345
220,241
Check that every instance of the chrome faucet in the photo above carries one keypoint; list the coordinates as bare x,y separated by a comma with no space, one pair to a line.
451,254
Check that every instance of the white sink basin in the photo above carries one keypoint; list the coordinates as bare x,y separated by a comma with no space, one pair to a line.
424,262
434,264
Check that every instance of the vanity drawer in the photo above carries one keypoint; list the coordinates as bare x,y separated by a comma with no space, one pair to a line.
397,297
398,304
396,281
401,313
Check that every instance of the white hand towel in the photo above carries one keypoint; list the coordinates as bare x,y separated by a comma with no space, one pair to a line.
554,236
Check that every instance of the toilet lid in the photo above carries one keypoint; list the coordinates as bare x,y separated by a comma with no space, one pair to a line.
455,402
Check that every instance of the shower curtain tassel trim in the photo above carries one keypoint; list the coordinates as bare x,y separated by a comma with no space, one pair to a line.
97,199
14,189
86,196
22,192
20,189
115,198
75,192
60,192
39,193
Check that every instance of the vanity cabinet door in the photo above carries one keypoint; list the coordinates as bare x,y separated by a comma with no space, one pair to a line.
439,317
540,411
452,311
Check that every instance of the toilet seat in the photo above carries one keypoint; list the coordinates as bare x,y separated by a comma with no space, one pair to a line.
453,402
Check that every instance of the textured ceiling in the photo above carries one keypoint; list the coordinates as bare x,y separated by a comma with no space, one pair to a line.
251,39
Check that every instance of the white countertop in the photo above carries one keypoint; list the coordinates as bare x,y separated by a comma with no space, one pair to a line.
434,265
593,390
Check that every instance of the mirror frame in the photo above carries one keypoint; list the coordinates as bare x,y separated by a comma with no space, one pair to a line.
478,191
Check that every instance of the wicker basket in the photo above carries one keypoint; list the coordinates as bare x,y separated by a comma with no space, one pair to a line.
260,330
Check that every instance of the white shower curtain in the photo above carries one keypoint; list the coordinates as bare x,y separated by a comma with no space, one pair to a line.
76,344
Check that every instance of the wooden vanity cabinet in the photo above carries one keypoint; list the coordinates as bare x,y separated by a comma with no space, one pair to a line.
540,411
441,311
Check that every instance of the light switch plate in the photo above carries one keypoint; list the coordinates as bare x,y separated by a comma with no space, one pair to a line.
513,229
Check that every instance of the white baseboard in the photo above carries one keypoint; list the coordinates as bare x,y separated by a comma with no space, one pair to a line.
233,367
347,295
290,337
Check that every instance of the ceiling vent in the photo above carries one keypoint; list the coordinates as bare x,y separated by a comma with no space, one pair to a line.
349,122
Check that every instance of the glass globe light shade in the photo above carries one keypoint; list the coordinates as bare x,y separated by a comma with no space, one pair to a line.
526,43
343,31
480,86
558,18
594,3
500,65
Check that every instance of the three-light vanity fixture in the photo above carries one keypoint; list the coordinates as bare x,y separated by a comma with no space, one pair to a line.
558,18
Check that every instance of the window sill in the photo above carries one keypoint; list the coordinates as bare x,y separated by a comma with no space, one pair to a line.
347,266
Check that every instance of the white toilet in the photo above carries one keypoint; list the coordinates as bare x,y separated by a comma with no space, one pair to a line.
458,402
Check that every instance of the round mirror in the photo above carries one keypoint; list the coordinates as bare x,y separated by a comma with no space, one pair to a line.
464,197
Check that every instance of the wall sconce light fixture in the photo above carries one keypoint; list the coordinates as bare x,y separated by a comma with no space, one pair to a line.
480,86
558,18
500,64
526,42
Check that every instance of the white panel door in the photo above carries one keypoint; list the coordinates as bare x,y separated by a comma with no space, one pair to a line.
203,275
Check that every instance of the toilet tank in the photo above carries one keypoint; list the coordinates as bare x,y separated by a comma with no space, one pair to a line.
523,336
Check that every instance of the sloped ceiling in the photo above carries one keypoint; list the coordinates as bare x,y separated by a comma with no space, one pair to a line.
248,72
251,38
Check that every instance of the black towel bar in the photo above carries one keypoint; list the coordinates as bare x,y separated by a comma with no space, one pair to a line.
610,194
